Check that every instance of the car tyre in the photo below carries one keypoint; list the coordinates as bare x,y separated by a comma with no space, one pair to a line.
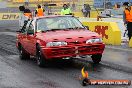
71,61
41,61
96,58
23,54
86,82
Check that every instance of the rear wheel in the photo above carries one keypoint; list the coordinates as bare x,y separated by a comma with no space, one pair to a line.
41,61
23,54
96,58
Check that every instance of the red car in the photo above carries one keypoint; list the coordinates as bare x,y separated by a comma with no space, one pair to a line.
58,37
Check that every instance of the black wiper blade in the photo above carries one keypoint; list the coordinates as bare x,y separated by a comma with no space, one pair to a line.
43,31
50,30
69,28
54,29
78,28
75,28
66,29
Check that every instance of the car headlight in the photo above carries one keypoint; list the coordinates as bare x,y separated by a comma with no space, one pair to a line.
97,40
50,44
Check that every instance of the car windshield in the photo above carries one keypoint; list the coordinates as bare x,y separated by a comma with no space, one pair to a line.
58,23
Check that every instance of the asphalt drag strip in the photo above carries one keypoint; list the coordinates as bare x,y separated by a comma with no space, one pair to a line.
26,74
16,73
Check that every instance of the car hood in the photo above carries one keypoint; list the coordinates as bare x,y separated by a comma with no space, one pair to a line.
68,36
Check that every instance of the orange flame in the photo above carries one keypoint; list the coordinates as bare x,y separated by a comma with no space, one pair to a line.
84,73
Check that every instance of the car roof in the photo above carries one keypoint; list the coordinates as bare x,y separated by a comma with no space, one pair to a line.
51,16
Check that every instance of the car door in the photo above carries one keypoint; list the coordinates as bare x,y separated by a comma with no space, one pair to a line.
23,38
31,40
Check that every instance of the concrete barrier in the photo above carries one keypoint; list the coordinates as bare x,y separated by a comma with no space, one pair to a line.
117,20
9,16
109,31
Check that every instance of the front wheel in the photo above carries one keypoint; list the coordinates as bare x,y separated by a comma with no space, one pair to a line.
23,54
41,61
96,58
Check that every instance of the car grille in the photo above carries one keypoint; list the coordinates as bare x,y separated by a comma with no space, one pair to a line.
77,48
62,51
84,49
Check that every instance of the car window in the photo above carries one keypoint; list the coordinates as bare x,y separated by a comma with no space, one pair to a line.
58,23
30,29
26,27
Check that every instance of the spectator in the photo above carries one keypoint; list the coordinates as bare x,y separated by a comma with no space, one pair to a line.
127,18
26,2
68,4
46,8
73,6
25,16
86,10
117,6
66,10
39,11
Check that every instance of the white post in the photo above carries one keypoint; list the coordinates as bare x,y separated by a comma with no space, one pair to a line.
104,4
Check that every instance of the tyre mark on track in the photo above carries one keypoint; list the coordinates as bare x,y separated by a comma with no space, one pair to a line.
107,65
50,71
48,74
7,51
8,40
116,67
24,67
7,44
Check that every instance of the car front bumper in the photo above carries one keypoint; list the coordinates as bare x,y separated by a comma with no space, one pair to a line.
72,50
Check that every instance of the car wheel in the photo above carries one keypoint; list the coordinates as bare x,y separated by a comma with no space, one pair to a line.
41,61
96,58
71,61
23,54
